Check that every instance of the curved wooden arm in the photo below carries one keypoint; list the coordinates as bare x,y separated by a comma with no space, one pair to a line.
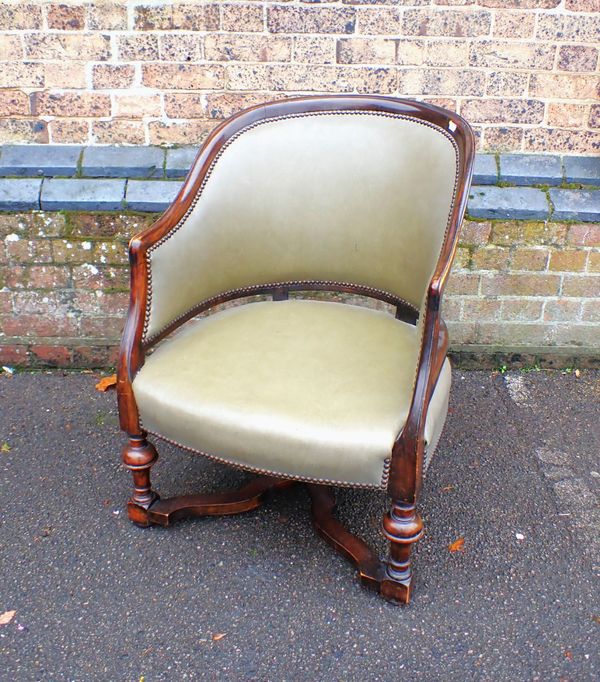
407,455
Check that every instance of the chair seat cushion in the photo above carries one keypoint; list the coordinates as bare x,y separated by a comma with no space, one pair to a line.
311,390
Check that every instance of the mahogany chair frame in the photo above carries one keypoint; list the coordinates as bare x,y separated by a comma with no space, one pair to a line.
402,525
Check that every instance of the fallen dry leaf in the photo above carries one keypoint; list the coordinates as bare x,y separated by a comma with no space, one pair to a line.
568,655
447,488
218,636
106,383
577,373
457,545
596,619
5,447
6,617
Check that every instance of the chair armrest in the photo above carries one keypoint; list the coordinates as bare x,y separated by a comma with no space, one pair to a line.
407,455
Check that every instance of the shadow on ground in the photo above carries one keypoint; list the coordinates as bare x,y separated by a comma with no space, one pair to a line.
99,599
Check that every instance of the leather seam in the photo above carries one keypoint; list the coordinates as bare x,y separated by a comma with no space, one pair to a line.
278,474
251,126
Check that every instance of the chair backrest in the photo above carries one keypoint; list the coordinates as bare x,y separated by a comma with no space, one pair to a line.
352,190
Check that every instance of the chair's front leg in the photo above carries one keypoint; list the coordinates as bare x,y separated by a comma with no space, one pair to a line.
402,526
138,456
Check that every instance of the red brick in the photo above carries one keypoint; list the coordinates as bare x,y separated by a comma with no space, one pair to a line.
180,17
252,48
521,4
182,132
584,234
582,5
184,105
136,48
91,277
529,259
67,46
507,84
561,141
65,17
10,48
473,232
514,24
452,82
70,104
102,327
72,251
314,49
39,325
21,130
590,311
584,286
463,284
112,76
14,103
287,19
240,17
22,75
568,27
180,47
136,106
41,303
378,21
183,76
57,76
425,22
16,17
223,104
29,251
490,258
521,310
569,86
481,309
95,356
36,277
118,131
67,131
564,115
5,302
520,285
594,262
107,16
577,58
15,355
100,303
568,261
503,110
561,310
51,356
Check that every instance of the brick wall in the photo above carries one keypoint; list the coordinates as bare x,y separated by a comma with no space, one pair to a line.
526,289
524,72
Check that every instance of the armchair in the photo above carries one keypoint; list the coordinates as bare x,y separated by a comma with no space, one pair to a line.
356,194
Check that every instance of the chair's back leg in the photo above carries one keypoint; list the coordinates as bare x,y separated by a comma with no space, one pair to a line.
402,526
138,456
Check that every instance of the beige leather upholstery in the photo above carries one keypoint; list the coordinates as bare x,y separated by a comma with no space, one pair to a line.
360,197
305,389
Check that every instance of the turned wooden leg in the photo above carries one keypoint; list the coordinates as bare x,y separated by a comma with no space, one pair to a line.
402,526
138,456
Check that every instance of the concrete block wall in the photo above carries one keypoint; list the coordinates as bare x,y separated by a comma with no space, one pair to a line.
523,72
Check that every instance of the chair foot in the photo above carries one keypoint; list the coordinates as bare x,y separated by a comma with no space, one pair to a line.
402,526
138,456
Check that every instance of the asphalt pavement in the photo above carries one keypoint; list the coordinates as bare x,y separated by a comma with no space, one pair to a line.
260,596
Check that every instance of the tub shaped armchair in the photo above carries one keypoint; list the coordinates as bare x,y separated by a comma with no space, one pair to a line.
353,194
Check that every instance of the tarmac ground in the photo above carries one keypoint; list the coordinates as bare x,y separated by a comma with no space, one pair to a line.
259,596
